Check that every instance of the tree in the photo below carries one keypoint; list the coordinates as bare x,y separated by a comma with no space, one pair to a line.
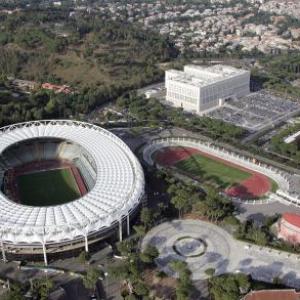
229,286
126,247
141,289
180,200
41,288
120,271
184,286
147,215
15,293
130,271
131,297
259,236
243,282
124,293
178,266
91,278
149,254
210,272
277,280
140,230
83,257
214,206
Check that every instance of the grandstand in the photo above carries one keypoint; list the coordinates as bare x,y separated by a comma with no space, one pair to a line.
86,170
64,185
42,155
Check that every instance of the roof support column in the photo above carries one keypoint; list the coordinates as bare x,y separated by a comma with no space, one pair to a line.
128,225
86,242
45,254
120,231
3,252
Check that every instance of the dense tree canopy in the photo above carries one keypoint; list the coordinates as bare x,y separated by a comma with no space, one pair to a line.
153,112
90,53
290,150
229,287
279,72
184,286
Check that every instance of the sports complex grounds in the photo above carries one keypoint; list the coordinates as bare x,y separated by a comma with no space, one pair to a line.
235,180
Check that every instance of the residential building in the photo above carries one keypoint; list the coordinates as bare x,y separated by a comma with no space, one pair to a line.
289,228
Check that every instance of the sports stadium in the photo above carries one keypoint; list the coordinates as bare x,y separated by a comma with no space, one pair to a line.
239,177
235,180
64,185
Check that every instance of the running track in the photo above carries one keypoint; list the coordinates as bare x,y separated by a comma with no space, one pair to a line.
255,186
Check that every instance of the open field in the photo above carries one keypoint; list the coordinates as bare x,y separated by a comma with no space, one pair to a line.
212,170
44,188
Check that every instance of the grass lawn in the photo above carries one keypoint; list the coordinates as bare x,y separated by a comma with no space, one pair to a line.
48,188
212,170
274,186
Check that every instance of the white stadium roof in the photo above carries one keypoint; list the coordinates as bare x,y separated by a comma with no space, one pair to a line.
118,189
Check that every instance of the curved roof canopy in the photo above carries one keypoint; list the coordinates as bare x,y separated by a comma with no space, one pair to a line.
118,189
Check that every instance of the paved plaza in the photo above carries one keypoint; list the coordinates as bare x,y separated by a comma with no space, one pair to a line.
258,211
203,245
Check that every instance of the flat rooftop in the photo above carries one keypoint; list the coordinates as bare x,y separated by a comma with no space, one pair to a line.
200,76
292,138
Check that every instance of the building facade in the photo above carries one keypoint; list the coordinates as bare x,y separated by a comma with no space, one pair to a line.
199,89
289,228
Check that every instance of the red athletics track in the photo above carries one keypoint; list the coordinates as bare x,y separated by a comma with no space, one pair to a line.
255,186
79,181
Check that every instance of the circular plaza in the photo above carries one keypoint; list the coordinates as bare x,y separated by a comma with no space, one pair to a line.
200,244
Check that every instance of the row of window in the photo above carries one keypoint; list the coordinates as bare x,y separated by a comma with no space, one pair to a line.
181,97
223,91
181,90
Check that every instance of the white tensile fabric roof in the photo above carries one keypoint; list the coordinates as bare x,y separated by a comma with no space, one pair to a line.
118,189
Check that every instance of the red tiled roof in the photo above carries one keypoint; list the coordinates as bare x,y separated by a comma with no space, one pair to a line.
273,295
58,88
292,218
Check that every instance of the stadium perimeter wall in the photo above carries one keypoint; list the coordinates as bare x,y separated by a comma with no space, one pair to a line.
69,249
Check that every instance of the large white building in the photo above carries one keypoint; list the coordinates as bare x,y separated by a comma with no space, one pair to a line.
199,89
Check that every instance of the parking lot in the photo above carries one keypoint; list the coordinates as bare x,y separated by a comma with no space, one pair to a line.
256,111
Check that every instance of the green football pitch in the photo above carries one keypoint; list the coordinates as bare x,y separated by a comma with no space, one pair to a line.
212,170
46,188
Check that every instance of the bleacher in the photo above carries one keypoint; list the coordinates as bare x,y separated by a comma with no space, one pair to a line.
89,165
47,150
86,172
10,160
27,154
50,151
2,173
